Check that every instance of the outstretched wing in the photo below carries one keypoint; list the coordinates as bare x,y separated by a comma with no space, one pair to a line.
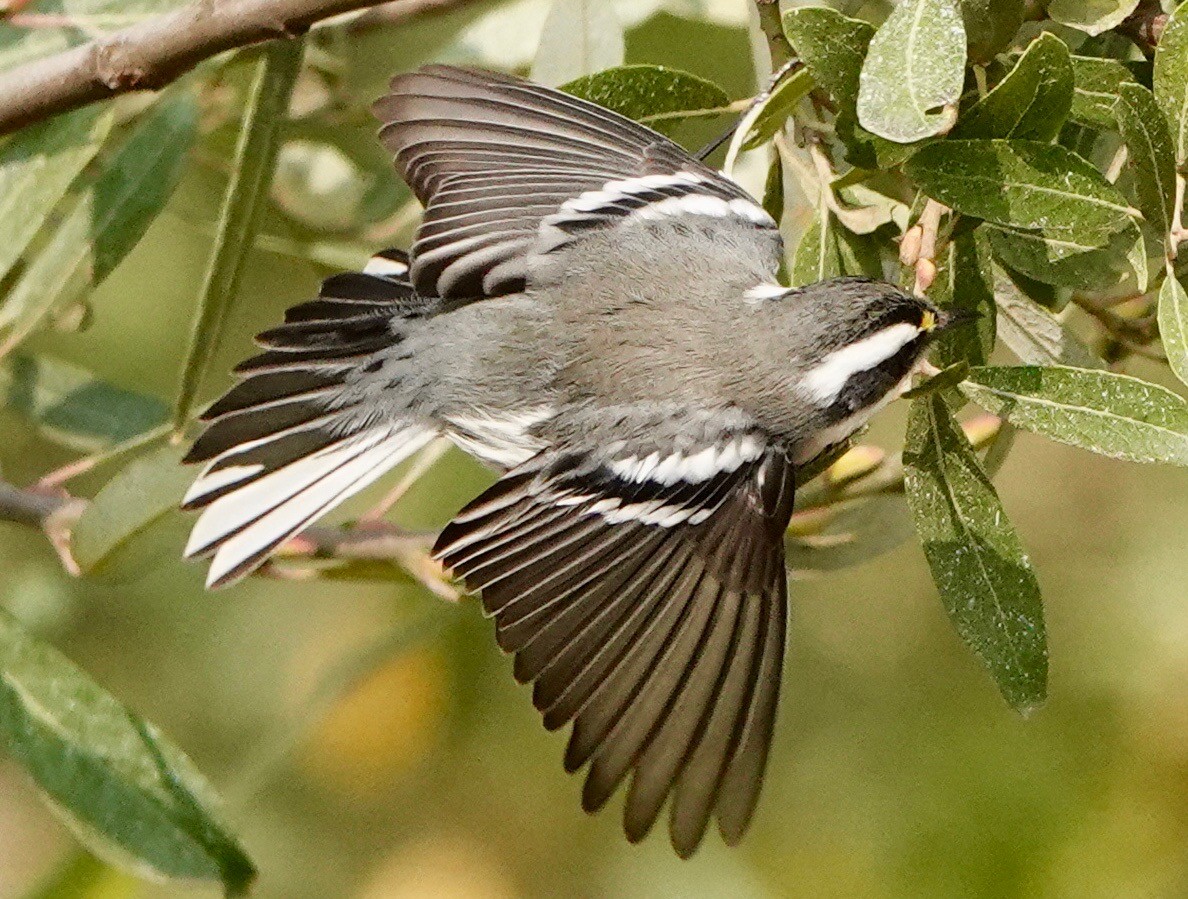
646,600
507,169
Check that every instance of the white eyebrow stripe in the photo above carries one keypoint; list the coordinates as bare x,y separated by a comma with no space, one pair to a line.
823,383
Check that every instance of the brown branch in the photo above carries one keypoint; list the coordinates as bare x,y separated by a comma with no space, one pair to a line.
773,30
151,54
1145,25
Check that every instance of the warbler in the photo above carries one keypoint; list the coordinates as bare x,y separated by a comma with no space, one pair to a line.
595,313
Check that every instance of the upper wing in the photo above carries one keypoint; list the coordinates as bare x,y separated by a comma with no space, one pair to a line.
507,169
647,600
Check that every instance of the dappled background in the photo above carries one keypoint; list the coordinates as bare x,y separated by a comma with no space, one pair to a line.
366,734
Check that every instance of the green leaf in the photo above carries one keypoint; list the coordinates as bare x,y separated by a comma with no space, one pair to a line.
131,796
1173,325
74,406
655,95
827,250
1152,159
943,380
1091,16
37,167
1107,413
964,280
133,501
1022,184
1032,333
119,201
832,46
1096,83
579,37
247,194
769,113
990,26
981,571
1063,262
1171,79
816,257
1031,102
913,72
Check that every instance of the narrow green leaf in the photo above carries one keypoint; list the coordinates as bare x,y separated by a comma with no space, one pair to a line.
943,380
769,113
579,37
133,501
657,96
1031,102
1173,325
990,26
1064,262
965,281
1091,16
816,257
1032,333
116,205
37,167
1096,83
913,72
247,193
1171,79
1107,413
983,575
1152,159
832,46
1022,184
75,407
131,796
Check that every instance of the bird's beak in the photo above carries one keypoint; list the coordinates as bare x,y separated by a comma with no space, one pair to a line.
955,318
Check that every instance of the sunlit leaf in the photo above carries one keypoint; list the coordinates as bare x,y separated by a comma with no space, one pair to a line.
657,96
73,406
1031,102
1022,184
247,193
1096,83
1171,79
1104,412
827,250
579,37
769,113
1032,333
1173,325
143,493
37,167
131,796
832,46
1152,158
983,575
1091,16
913,72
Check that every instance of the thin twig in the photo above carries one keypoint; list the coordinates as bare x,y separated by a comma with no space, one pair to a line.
773,30
153,53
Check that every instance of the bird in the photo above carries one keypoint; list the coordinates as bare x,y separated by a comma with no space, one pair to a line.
596,314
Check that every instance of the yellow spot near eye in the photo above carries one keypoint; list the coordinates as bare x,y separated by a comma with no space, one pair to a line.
927,320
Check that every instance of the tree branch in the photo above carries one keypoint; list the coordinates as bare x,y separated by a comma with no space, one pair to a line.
773,30
151,54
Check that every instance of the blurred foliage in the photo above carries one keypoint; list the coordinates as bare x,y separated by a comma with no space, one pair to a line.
1023,160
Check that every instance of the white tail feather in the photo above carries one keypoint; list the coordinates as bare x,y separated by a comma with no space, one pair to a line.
246,524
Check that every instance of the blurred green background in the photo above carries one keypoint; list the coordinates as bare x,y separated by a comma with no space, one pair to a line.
369,739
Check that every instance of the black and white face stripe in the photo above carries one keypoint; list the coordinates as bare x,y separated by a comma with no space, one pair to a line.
824,382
